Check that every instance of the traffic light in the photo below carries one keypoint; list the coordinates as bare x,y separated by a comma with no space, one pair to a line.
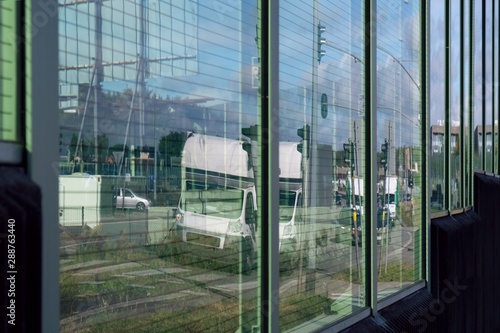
410,179
305,134
321,41
349,154
385,149
324,106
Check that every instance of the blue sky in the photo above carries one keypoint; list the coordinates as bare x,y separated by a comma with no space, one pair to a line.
224,45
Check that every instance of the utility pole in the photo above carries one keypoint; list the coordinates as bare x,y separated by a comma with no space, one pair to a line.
98,79
312,174
95,63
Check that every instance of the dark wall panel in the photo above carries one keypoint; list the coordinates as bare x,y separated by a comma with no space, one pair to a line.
20,250
465,274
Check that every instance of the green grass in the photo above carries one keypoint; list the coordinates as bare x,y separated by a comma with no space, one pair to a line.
217,317
192,308
395,272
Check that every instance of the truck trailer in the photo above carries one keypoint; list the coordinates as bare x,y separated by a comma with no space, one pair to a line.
79,200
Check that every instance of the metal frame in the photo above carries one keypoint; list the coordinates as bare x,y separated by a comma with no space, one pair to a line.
268,134
42,142
370,83
471,100
12,152
425,128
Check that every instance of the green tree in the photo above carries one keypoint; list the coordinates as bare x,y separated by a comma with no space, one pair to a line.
172,144
102,147
72,145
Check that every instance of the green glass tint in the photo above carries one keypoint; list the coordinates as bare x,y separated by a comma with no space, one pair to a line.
457,109
399,184
437,96
466,104
321,161
9,103
495,88
161,199
480,123
157,196
489,125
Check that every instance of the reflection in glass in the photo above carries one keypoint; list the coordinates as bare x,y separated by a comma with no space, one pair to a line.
321,185
288,205
495,89
400,164
153,100
161,100
437,106
467,87
479,122
456,107
488,88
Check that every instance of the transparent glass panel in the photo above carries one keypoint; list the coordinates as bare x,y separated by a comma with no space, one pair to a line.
489,85
495,86
157,195
467,116
436,102
479,94
321,161
455,106
398,145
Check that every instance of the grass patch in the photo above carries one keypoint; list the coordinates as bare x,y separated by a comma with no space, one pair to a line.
222,316
297,309
216,317
186,305
174,250
395,272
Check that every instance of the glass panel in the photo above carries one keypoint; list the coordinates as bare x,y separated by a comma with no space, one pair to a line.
158,206
398,145
436,103
321,93
488,94
9,43
466,65
455,106
495,85
479,121
466,111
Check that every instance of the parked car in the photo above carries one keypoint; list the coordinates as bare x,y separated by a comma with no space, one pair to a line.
125,198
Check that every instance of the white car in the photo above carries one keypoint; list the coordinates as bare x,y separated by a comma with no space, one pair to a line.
125,198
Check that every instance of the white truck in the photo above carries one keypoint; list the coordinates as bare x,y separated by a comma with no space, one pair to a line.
318,220
391,195
218,201
290,192
358,194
